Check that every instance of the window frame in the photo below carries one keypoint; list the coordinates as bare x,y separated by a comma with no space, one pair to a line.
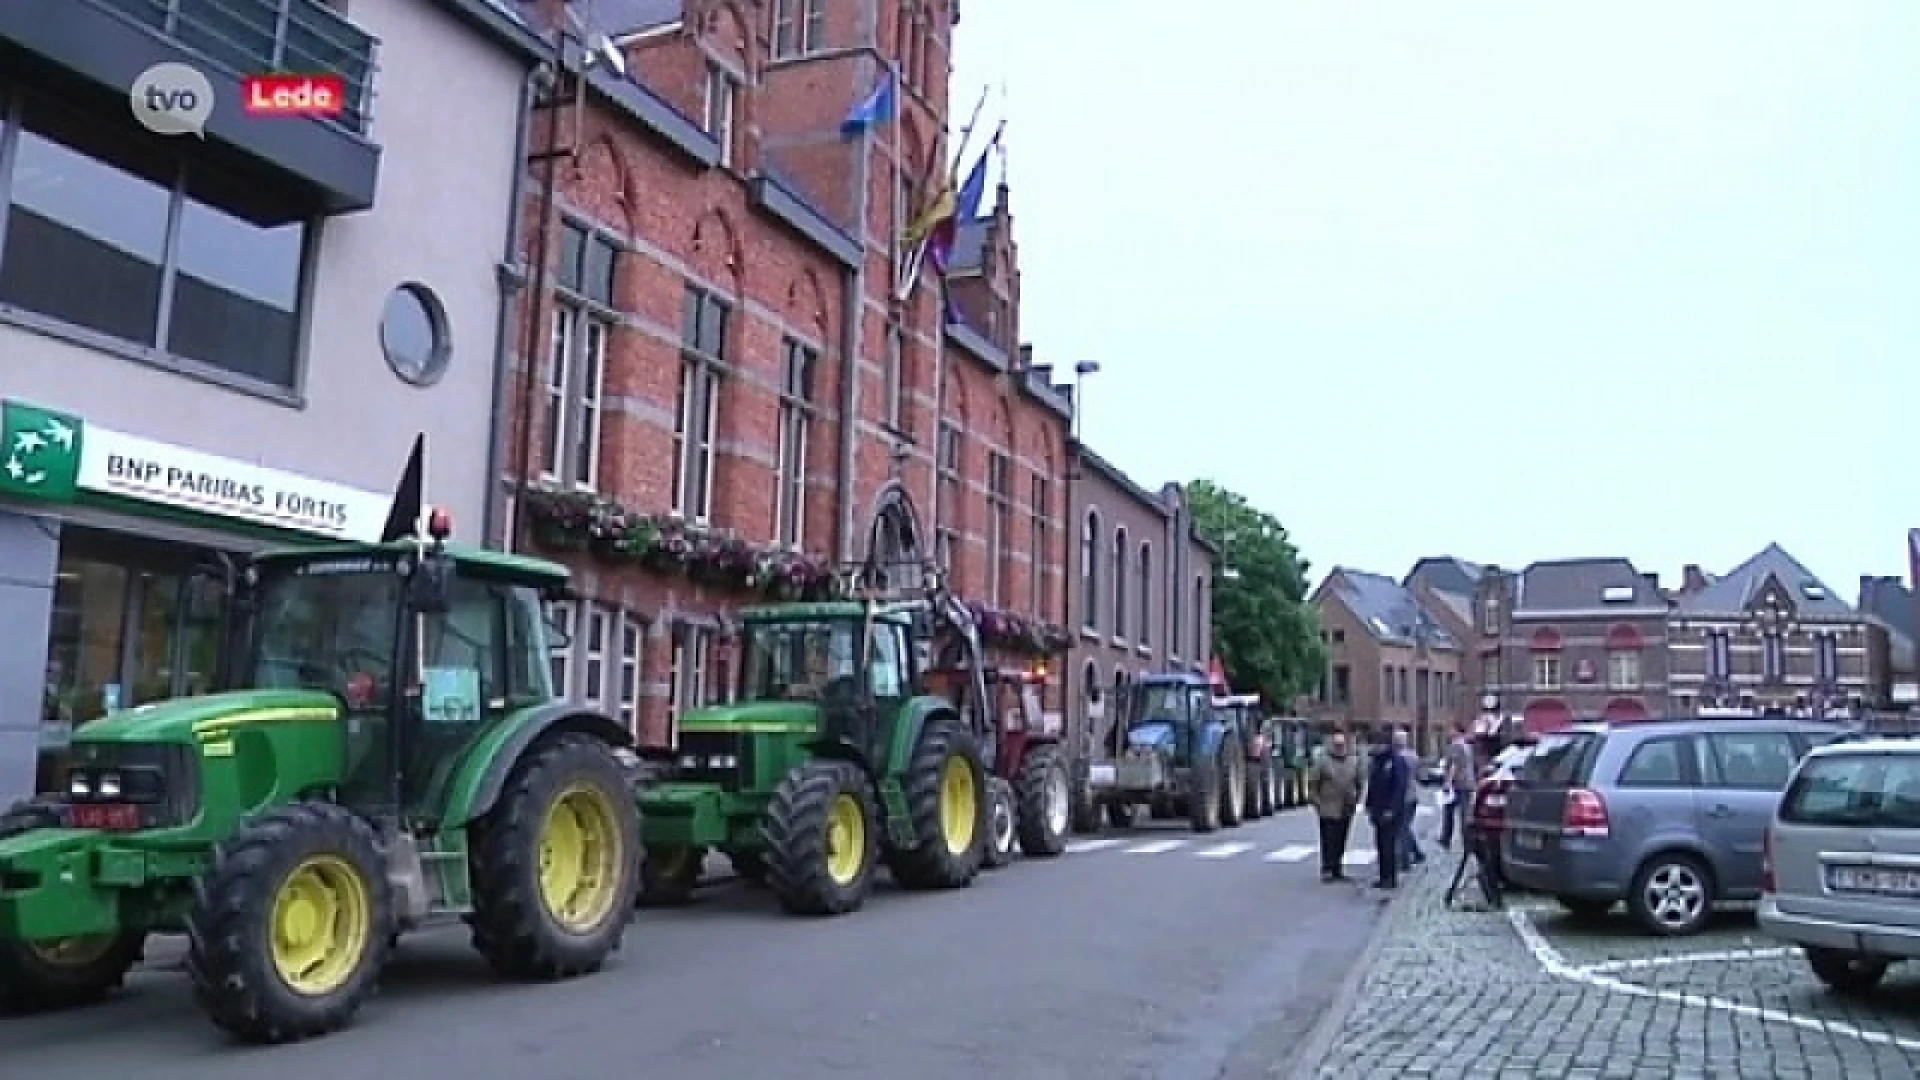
949,506
1144,571
1090,569
999,525
1118,581
560,650
697,407
630,660
1038,524
1623,669
1685,762
720,109
893,377
799,367
1547,671
1710,765
799,28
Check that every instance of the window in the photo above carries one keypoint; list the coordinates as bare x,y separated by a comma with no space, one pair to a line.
1490,616
560,620
895,375
577,357
124,240
799,27
1719,657
999,527
887,662
1038,514
1342,684
413,334
1856,790
1774,657
1120,582
1747,760
703,341
1145,571
593,676
1199,618
691,678
1656,763
631,637
1827,654
1090,569
948,515
722,101
796,424
1490,672
1623,669
1546,671
1388,687
1176,610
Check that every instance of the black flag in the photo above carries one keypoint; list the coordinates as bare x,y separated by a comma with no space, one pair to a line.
408,498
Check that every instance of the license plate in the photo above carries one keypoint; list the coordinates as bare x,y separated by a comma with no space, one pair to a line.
1101,775
1527,840
110,816
1866,879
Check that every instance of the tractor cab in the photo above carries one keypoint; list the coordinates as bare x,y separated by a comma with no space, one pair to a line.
852,663
1165,714
424,648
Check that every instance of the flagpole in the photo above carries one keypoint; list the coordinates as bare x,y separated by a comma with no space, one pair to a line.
966,133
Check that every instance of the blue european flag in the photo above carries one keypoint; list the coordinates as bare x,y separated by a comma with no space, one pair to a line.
876,109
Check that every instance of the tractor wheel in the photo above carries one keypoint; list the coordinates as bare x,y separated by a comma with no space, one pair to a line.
749,865
555,862
1002,828
822,831
290,928
946,787
1203,803
1250,796
1086,809
42,976
1233,788
1269,803
1121,815
668,875
1045,803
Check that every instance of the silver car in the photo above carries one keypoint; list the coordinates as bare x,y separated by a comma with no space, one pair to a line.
1668,816
1843,862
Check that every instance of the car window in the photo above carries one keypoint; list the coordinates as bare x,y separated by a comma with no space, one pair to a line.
1747,760
1559,760
1656,763
1876,790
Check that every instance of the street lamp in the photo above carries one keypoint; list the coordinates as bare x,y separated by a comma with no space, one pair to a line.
1080,372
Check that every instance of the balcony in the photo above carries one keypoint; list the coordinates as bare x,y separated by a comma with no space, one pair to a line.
94,50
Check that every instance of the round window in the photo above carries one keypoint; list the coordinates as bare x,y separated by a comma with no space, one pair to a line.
413,334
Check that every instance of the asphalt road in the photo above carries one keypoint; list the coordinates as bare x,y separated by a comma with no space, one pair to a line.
1164,956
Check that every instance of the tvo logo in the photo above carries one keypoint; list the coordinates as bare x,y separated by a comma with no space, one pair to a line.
172,99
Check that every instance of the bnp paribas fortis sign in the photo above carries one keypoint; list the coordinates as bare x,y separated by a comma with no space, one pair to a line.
42,452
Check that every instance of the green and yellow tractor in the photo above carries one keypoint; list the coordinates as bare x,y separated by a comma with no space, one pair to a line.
397,760
834,758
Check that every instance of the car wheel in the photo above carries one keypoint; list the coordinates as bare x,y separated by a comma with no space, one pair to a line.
1845,972
1672,895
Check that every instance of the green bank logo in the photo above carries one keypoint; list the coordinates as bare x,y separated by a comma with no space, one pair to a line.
41,451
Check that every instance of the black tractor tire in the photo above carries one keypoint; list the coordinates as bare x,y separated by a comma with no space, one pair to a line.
65,974
939,860
799,829
1046,800
1121,815
669,876
514,925
1233,785
749,864
1203,802
1269,789
1086,808
231,934
1003,827
1250,801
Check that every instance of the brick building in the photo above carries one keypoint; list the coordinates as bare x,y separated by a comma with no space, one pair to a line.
1142,580
1444,586
690,432
1769,636
1390,660
1570,641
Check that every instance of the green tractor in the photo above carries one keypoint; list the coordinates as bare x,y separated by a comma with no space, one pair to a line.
832,760
397,761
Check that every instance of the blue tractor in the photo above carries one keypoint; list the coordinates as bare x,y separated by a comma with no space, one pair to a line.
1170,750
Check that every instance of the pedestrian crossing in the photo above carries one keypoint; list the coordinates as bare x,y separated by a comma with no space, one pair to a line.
1288,853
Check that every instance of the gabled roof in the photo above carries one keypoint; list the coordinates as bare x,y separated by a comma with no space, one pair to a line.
1734,591
1388,609
1445,574
1585,585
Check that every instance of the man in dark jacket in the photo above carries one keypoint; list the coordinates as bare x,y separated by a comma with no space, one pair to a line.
1389,789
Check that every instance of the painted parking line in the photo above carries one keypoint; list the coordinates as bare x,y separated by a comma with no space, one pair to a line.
1642,963
1156,847
1291,853
1224,851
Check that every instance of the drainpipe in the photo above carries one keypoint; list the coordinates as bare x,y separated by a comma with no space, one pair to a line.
553,75
853,317
510,274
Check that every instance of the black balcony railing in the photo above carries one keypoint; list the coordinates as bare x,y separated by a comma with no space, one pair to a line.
261,37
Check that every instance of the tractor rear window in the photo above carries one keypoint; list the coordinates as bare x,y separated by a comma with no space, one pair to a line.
793,660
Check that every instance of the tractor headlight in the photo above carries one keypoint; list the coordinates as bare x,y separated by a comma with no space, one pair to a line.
108,786
689,761
723,761
78,786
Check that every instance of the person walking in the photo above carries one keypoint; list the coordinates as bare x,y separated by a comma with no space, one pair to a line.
1388,780
1409,845
1336,783
1457,794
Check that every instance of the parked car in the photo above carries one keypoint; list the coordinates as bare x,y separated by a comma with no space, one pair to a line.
1669,816
1842,870
1489,807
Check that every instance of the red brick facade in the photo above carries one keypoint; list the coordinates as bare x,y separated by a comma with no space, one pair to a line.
672,361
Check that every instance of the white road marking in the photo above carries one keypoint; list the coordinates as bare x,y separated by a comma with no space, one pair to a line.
1643,962
1096,844
1224,851
1554,964
1156,847
1360,858
1290,853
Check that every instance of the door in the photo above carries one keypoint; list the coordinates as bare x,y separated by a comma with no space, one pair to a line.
1742,774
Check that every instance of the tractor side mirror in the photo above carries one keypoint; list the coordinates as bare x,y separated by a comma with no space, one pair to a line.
430,588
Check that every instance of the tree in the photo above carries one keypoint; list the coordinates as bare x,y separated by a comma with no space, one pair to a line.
1264,631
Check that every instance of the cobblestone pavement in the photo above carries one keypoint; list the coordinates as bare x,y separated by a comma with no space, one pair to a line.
1532,992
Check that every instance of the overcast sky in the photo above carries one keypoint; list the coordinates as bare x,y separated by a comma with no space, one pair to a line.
1510,281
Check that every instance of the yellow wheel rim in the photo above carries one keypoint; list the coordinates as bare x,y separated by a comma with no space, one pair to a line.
959,804
322,924
72,951
846,839
580,859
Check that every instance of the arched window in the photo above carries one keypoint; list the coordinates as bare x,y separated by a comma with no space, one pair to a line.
1120,581
1145,570
1090,570
1199,619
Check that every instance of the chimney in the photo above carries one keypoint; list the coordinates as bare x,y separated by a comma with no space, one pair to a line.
1653,582
1692,579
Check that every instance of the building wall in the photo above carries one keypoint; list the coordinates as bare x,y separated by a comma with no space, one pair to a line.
1857,646
1384,681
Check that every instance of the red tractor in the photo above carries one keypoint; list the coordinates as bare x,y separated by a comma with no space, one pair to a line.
1030,790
